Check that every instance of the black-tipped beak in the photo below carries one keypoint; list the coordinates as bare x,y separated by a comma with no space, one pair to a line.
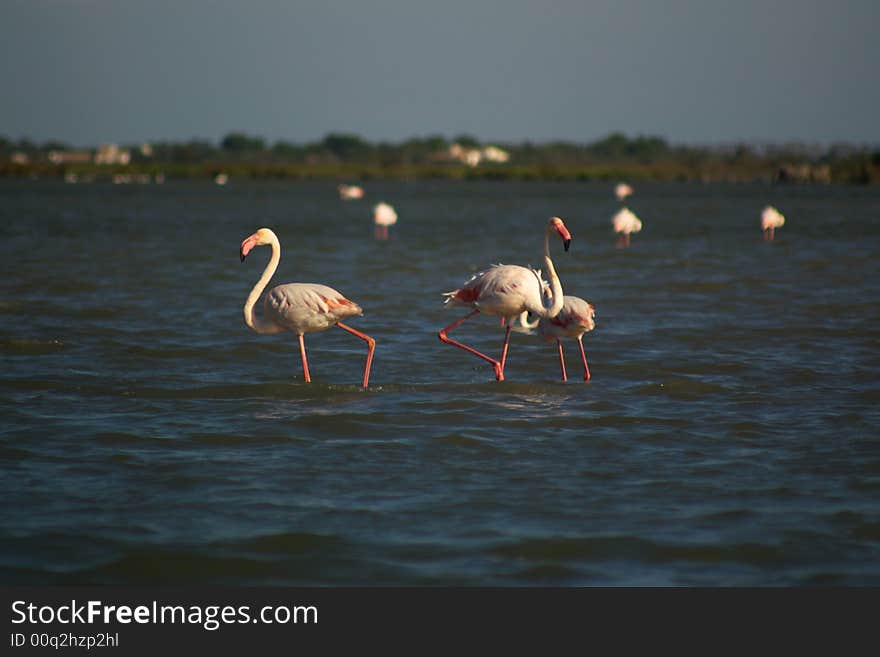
565,244
243,256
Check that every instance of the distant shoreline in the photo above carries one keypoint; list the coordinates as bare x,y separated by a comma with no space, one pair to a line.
660,172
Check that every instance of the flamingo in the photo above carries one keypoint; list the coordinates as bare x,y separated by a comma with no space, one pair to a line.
299,307
626,222
349,192
508,291
622,190
575,319
383,216
771,219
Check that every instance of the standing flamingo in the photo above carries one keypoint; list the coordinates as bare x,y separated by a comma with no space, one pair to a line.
575,319
299,307
383,216
626,222
771,219
508,291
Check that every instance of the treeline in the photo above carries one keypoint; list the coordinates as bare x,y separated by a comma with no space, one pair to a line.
341,155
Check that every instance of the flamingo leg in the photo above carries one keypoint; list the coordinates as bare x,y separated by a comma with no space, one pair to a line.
371,347
302,351
504,349
561,359
584,358
499,369
627,239
772,230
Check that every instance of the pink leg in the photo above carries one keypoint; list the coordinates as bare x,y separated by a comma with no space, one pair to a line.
561,359
627,239
371,347
499,369
584,358
302,351
504,351
772,231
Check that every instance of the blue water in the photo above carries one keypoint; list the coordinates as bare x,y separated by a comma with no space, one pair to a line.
728,436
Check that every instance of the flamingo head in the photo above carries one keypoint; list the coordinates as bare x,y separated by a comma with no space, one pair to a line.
558,225
260,238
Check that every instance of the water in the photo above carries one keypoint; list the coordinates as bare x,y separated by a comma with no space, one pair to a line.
729,435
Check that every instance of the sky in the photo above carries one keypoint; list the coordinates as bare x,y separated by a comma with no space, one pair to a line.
690,71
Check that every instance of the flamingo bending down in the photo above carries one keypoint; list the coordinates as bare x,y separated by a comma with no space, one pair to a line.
349,192
299,307
626,222
771,219
575,319
383,216
508,291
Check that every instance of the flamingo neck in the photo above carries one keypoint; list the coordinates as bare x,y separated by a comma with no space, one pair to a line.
259,324
553,306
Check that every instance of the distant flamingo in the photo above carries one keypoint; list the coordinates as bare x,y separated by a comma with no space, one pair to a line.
622,190
508,291
383,216
626,222
575,319
299,307
350,192
771,219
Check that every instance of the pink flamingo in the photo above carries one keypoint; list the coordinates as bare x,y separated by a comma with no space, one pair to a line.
508,291
626,222
299,307
575,319
350,192
771,219
383,216
622,190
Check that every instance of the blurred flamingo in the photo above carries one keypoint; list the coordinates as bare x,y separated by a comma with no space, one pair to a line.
508,291
771,219
576,318
298,307
626,222
350,192
383,216
622,190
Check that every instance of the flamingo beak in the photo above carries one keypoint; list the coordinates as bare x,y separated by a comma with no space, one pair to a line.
248,244
564,234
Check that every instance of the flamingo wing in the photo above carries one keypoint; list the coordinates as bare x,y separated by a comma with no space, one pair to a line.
307,307
505,290
576,318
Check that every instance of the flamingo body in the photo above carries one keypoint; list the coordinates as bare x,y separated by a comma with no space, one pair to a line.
625,223
771,219
307,307
576,318
622,190
350,192
298,307
503,290
383,216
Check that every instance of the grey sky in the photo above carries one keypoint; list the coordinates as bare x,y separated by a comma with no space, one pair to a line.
92,71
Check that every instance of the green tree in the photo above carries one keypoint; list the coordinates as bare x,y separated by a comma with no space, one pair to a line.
239,142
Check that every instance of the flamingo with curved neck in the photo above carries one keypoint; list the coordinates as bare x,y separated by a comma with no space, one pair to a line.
508,291
298,307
